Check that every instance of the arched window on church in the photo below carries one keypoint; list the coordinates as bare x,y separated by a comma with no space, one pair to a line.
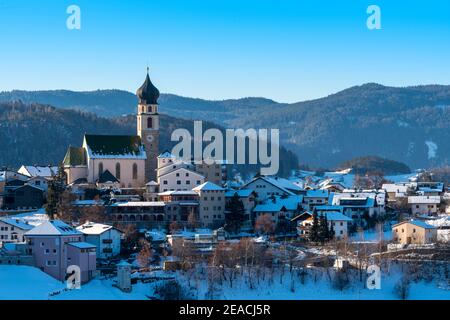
118,171
135,171
149,122
100,168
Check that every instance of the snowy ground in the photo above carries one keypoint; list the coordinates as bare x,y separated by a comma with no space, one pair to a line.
23,282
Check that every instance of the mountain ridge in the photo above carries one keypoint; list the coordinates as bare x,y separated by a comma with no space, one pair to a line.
398,123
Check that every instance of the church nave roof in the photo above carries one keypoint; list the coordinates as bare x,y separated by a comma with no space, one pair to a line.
115,146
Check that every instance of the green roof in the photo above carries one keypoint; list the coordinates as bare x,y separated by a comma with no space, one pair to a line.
114,145
75,157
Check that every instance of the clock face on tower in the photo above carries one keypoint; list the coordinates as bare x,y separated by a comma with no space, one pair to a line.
150,138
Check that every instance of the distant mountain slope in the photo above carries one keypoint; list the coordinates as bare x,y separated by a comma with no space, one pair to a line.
40,134
411,125
372,164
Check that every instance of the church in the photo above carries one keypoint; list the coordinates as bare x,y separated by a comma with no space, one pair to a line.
120,160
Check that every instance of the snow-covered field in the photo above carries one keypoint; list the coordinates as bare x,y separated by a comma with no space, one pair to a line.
23,282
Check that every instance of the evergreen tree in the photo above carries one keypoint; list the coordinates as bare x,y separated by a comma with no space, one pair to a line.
331,232
234,214
56,187
314,231
323,228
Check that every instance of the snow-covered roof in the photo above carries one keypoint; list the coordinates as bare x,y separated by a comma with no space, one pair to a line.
123,263
156,235
53,227
331,215
243,193
114,147
81,245
17,223
166,154
317,194
139,204
208,186
395,187
38,171
87,203
335,216
178,193
282,183
164,172
329,208
424,199
151,183
417,223
93,228
291,203
34,218
430,186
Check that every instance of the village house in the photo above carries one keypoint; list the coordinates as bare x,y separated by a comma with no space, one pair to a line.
248,199
414,232
335,219
215,172
280,208
177,177
22,197
180,205
266,187
211,205
424,205
143,214
314,198
398,191
55,245
430,188
359,204
106,238
13,230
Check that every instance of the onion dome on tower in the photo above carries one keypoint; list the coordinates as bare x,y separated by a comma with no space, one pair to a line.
148,93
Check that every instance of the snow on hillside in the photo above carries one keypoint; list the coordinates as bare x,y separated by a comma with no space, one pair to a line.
23,282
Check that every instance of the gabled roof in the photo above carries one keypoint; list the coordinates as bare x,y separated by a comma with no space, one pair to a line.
53,228
317,193
166,154
242,193
290,203
180,169
93,228
208,186
283,184
417,223
39,171
115,146
17,223
331,216
424,199
107,177
75,157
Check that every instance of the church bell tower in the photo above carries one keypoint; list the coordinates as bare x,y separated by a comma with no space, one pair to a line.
148,125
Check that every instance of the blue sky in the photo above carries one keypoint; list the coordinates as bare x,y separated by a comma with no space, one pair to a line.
284,50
